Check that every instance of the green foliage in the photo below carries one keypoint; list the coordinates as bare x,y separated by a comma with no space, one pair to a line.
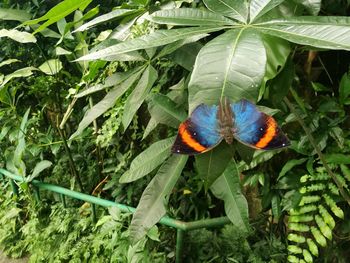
313,219
231,245
79,238
108,85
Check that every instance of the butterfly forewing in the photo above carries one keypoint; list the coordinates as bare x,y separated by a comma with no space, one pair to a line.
255,128
199,133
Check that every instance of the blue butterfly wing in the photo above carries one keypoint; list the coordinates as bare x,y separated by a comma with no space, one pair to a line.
255,128
199,133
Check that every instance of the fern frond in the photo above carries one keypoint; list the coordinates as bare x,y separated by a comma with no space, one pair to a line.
312,221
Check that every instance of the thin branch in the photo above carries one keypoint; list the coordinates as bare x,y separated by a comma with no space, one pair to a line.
71,161
319,153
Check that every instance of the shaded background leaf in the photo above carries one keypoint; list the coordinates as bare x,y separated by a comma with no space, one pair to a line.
151,207
227,188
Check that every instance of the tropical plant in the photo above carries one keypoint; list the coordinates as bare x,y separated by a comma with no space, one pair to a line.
225,66
107,93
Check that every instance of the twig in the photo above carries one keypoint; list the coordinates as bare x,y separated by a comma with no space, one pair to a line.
319,153
71,161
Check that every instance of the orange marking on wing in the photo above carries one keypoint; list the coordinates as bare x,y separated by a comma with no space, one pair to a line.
269,134
187,138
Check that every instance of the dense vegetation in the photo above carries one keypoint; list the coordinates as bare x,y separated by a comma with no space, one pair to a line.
92,93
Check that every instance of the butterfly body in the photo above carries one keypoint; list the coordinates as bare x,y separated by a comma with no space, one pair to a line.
225,119
209,125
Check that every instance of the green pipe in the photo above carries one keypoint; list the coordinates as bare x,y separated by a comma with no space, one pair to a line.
207,223
179,245
165,220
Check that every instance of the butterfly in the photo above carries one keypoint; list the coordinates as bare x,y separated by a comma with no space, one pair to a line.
209,125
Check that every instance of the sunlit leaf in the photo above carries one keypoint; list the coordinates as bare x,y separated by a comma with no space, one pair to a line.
8,62
23,72
58,12
19,36
51,67
61,51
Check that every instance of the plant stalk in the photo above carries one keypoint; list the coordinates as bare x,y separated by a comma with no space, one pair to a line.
319,153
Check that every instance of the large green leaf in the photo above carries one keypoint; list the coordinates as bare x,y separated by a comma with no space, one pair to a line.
165,111
227,187
148,160
58,12
322,32
233,65
189,17
106,103
14,14
211,165
151,207
19,36
232,8
138,95
257,8
103,18
158,38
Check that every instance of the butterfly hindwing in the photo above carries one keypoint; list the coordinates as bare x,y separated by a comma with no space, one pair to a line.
199,133
255,128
